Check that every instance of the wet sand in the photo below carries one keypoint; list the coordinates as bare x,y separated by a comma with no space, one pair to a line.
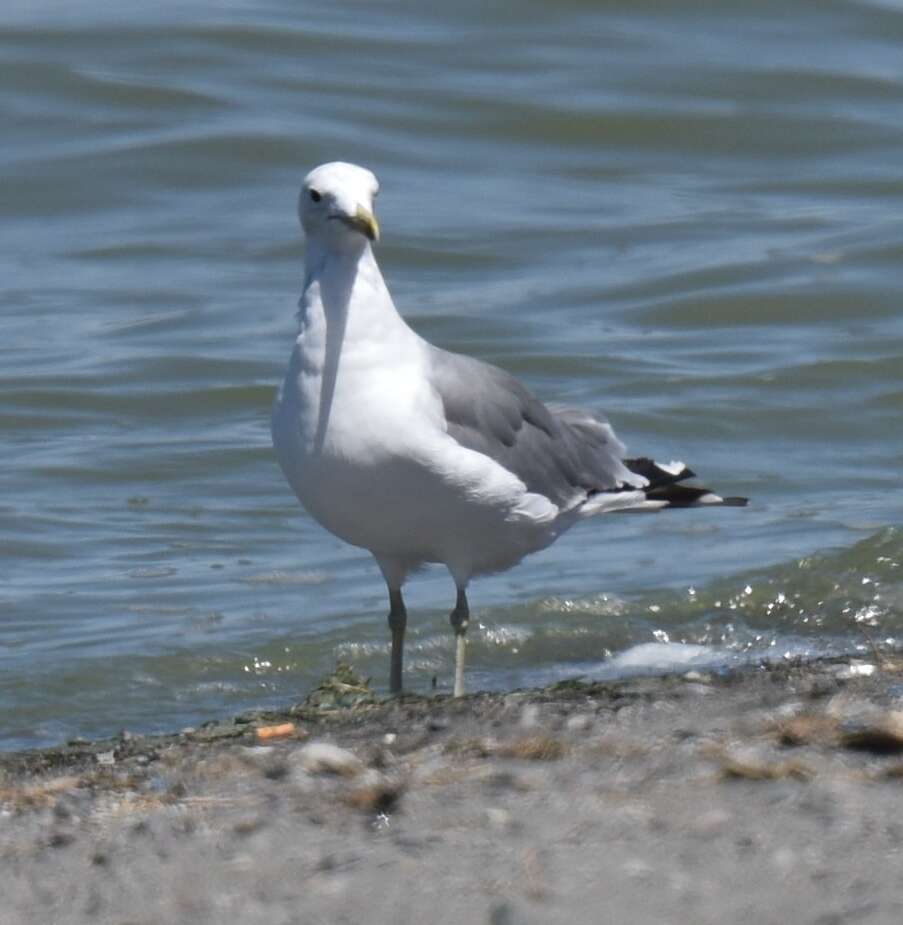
771,794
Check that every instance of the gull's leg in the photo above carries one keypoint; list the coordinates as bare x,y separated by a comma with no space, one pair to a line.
394,572
460,617
398,621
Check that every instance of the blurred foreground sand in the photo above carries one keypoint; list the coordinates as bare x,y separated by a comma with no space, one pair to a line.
774,794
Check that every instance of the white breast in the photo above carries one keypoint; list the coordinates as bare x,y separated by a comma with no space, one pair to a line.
361,438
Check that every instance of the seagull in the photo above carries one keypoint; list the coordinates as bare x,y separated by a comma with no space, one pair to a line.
423,456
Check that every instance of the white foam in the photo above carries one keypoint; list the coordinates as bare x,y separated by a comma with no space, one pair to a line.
661,656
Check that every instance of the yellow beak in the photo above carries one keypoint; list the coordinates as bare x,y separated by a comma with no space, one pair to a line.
364,222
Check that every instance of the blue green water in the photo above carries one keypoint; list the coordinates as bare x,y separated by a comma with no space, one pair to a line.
687,215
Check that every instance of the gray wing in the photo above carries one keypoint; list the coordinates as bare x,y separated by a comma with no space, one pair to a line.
563,454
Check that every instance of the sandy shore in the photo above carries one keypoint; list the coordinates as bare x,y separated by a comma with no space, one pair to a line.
772,794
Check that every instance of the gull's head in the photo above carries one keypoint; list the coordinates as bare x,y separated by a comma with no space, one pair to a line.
336,205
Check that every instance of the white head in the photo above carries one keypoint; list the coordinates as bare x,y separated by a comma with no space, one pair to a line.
336,205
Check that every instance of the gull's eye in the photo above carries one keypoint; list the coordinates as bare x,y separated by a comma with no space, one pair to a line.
315,195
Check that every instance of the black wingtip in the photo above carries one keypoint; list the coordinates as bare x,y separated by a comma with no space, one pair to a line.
656,474
666,484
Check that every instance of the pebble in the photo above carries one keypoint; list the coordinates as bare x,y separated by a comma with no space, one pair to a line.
258,751
579,722
788,710
856,670
638,869
63,811
60,839
323,757
501,913
784,859
713,822
266,759
374,792
756,762
499,819
846,707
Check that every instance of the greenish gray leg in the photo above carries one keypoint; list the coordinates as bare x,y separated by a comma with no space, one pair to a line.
460,617
398,621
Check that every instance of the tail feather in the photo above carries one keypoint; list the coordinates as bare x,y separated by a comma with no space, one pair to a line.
664,490
689,496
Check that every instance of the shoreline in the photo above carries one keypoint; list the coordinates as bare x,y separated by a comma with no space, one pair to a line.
767,793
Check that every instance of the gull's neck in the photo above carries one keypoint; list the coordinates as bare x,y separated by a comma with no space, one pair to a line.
346,285
348,322
323,256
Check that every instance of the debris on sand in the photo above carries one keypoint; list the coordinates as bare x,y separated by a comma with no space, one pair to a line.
750,763
280,730
526,806
882,735
807,729
343,689
533,748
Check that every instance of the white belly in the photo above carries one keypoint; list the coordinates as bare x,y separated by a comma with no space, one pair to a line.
381,472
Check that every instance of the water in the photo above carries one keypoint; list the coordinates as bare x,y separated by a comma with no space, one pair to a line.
688,215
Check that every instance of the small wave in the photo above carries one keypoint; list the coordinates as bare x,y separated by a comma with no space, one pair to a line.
288,578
